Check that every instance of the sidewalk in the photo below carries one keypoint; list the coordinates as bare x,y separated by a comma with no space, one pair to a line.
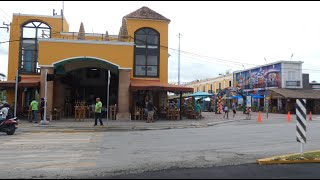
210,119
66,125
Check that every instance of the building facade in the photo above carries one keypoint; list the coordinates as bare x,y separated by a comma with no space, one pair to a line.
212,85
281,74
80,62
263,79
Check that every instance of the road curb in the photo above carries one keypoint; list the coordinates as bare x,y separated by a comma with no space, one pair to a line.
222,122
53,128
274,160
86,129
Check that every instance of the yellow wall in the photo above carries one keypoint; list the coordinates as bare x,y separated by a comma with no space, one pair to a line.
50,52
18,20
215,84
117,54
10,96
162,28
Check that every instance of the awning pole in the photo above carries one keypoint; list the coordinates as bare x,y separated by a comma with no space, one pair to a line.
109,75
180,105
16,95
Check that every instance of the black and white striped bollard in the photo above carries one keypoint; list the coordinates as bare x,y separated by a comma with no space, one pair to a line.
301,122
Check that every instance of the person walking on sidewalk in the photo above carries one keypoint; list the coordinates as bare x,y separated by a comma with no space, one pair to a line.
234,109
151,109
42,108
198,110
97,114
226,111
34,107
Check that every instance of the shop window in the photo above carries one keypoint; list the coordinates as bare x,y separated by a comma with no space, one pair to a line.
30,33
146,59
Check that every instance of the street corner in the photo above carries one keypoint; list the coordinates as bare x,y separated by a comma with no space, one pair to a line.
296,158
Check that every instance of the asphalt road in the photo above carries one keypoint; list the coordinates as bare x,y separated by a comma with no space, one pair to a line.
109,154
243,171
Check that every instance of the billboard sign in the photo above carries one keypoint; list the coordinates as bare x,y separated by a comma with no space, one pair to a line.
262,77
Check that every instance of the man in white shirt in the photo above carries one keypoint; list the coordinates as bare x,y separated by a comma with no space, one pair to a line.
4,111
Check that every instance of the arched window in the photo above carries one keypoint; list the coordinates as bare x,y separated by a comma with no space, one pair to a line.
30,33
146,53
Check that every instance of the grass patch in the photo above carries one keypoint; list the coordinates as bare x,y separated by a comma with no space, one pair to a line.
304,156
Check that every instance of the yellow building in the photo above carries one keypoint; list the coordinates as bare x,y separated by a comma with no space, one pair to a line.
212,85
137,58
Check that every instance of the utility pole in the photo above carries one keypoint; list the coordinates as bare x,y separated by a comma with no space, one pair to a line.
109,76
44,120
16,94
62,12
179,35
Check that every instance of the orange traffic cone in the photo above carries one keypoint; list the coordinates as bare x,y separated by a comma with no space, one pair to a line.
259,117
310,116
289,118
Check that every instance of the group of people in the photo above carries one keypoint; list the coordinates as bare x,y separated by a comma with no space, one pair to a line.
226,110
34,106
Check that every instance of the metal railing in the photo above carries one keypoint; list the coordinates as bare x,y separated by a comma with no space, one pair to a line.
96,36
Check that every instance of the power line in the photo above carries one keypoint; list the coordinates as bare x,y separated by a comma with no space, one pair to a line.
219,59
190,54
240,64
7,15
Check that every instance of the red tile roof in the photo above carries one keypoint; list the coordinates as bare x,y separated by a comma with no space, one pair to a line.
137,84
146,13
11,84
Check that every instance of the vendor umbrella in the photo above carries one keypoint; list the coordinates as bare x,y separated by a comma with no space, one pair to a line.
200,93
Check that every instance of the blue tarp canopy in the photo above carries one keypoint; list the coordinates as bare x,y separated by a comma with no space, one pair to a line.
236,97
256,96
201,94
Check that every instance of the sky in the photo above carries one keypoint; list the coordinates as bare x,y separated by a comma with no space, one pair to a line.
216,36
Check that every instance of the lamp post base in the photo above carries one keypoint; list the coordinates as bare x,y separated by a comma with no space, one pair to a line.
44,122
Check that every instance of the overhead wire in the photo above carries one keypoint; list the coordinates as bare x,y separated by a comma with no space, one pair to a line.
224,60
5,14
198,56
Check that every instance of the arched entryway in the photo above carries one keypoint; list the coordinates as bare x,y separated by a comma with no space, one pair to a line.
83,79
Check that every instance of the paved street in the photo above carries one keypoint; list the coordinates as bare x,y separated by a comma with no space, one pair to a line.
243,171
112,153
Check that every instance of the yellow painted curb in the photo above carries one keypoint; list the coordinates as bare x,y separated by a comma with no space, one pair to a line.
272,160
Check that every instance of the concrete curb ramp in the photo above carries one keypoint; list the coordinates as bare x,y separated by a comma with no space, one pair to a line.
273,160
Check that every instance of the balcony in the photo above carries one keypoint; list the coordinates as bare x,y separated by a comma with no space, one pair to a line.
95,36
